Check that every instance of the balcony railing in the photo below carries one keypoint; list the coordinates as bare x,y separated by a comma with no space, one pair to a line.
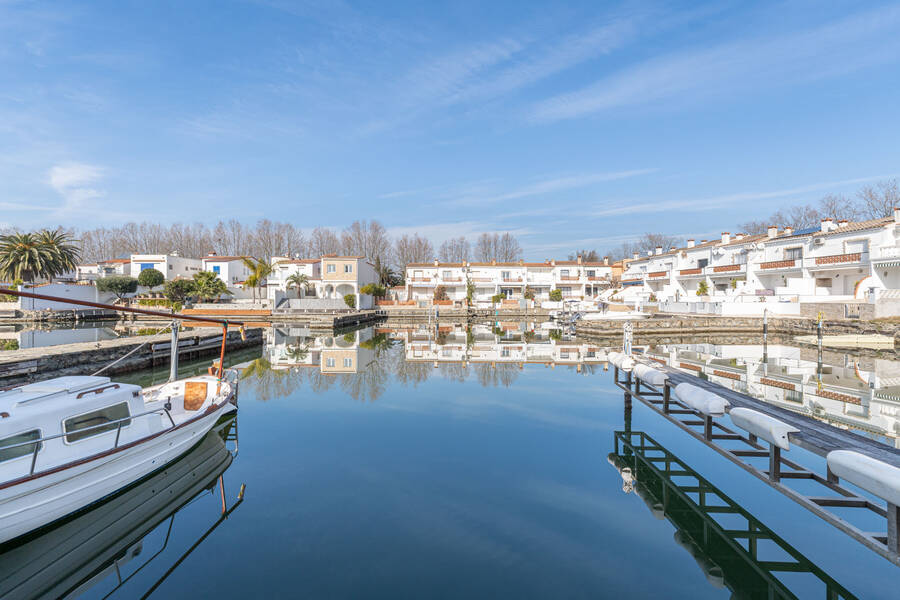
569,278
889,252
836,259
697,271
421,279
726,268
779,264
657,274
512,280
452,279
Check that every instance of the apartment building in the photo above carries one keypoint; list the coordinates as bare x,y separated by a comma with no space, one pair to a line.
832,262
575,279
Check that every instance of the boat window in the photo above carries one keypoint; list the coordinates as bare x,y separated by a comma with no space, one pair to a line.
77,428
19,438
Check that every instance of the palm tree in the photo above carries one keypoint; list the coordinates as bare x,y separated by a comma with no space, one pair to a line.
299,281
259,270
207,285
63,252
23,256
297,353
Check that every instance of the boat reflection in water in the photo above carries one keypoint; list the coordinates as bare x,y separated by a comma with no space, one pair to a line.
96,544
848,391
728,557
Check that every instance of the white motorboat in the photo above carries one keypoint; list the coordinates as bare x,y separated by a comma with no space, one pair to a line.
94,547
69,442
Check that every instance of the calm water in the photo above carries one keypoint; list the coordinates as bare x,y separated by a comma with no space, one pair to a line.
377,465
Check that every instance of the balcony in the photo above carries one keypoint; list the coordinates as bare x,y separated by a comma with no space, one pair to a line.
726,270
657,275
512,280
836,260
698,272
637,281
777,265
452,279
421,279
569,278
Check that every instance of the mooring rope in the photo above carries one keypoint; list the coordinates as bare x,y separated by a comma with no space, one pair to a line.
132,351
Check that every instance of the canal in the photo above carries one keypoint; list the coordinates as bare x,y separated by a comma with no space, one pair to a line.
467,461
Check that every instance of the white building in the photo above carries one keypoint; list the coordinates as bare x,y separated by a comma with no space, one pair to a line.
230,269
331,278
514,281
171,266
105,268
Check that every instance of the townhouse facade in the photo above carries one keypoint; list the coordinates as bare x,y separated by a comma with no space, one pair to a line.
330,277
836,261
575,279
105,268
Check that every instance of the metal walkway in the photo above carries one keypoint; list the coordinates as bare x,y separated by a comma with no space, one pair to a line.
729,555
745,451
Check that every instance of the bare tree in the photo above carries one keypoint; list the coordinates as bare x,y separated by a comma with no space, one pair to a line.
838,206
324,241
503,248
454,250
231,239
586,255
877,201
412,249
369,239
646,243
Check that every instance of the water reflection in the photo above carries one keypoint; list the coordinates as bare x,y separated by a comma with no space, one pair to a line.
848,391
43,335
102,549
364,362
732,548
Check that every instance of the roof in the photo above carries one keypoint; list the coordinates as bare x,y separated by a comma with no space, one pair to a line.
335,256
116,260
223,258
298,261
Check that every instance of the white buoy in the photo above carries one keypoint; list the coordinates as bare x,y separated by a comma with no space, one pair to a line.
763,426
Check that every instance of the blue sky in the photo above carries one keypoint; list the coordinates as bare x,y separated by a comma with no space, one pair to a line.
571,124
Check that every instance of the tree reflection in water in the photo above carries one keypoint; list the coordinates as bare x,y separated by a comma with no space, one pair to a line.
494,374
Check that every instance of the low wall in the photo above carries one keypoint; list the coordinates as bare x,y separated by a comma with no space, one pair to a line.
838,310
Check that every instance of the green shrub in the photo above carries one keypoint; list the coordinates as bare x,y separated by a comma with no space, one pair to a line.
556,295
178,290
151,278
9,345
120,285
702,289
556,334
497,298
373,289
350,300
154,302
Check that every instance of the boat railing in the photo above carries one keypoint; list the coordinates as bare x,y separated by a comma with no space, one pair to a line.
119,423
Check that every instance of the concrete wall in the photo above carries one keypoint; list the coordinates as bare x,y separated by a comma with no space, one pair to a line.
87,293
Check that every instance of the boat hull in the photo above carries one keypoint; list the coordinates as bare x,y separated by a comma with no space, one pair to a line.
42,500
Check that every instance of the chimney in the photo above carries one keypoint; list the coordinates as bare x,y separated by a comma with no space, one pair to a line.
726,237
436,263
772,231
788,231
649,252
658,250
739,236
690,244
553,262
606,261
211,254
843,222
828,225
579,259
897,214
635,256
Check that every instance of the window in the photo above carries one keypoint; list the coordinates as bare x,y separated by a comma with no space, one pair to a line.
504,352
702,262
19,438
171,267
348,362
823,282
592,273
564,273
330,269
329,362
217,269
566,291
793,396
92,423
793,253
145,266
348,268
740,258
447,275
505,275
563,354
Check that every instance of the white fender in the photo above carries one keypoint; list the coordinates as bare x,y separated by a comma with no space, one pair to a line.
869,473
762,425
699,399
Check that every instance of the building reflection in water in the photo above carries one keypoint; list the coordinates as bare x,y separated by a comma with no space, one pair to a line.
104,548
851,392
747,557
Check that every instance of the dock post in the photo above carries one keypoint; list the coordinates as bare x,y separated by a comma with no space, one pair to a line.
893,530
173,361
774,462
707,427
637,385
667,394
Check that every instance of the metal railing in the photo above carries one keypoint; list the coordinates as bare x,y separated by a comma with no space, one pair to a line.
123,422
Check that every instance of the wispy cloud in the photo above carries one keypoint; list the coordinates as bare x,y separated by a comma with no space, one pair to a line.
548,186
848,45
725,200
75,183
